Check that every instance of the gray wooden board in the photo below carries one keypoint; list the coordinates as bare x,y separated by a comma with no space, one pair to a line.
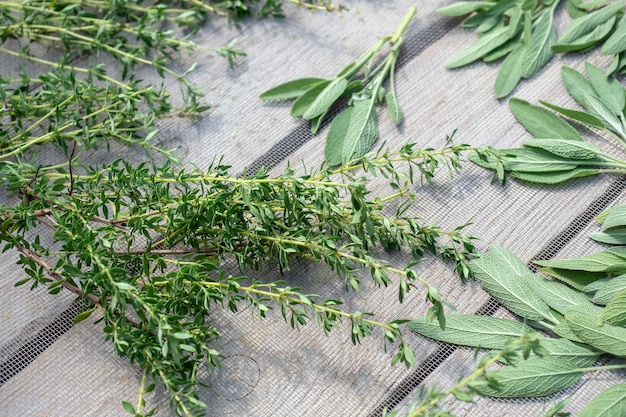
270,370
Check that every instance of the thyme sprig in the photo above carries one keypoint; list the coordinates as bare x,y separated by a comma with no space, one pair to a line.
152,248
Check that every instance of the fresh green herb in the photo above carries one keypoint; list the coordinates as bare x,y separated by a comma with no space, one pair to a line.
354,131
557,152
522,32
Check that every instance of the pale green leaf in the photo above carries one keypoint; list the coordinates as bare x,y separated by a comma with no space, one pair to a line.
613,286
336,137
555,177
566,148
562,298
510,72
539,51
580,116
563,330
599,109
576,353
535,377
509,281
290,89
611,260
611,403
577,85
602,336
303,102
394,108
576,279
540,122
615,218
608,88
613,236
471,330
326,98
463,7
616,43
483,45
501,51
586,24
615,311
588,40
535,160
362,131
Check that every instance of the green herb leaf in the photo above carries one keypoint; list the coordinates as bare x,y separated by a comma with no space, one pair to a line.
539,51
610,289
582,31
463,7
564,299
577,85
540,122
580,116
605,337
326,98
615,311
509,281
616,43
335,140
362,130
482,46
611,403
302,103
615,218
611,260
536,160
576,279
83,315
471,330
535,377
291,89
554,177
510,72
612,237
394,108
588,40
611,91
566,148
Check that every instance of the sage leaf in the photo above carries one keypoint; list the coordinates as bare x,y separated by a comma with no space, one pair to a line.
291,89
540,122
535,377
576,279
539,51
588,40
611,260
554,177
587,24
577,85
610,290
564,331
471,330
362,131
605,337
566,148
598,108
507,279
302,103
616,43
536,160
394,108
579,354
333,149
611,403
510,72
615,311
563,299
615,218
608,88
580,116
484,44
612,237
326,98
463,7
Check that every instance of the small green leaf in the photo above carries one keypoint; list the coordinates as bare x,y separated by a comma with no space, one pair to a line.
128,407
580,116
608,88
536,160
566,148
610,289
615,218
605,337
611,260
463,7
539,51
615,311
326,98
333,149
290,89
612,237
556,177
302,103
587,41
535,377
471,330
362,130
394,108
577,85
616,43
563,299
540,122
576,279
587,24
483,45
510,281
510,72
82,316
611,403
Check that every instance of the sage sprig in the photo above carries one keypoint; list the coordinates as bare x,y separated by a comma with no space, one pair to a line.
355,130
557,152
522,32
